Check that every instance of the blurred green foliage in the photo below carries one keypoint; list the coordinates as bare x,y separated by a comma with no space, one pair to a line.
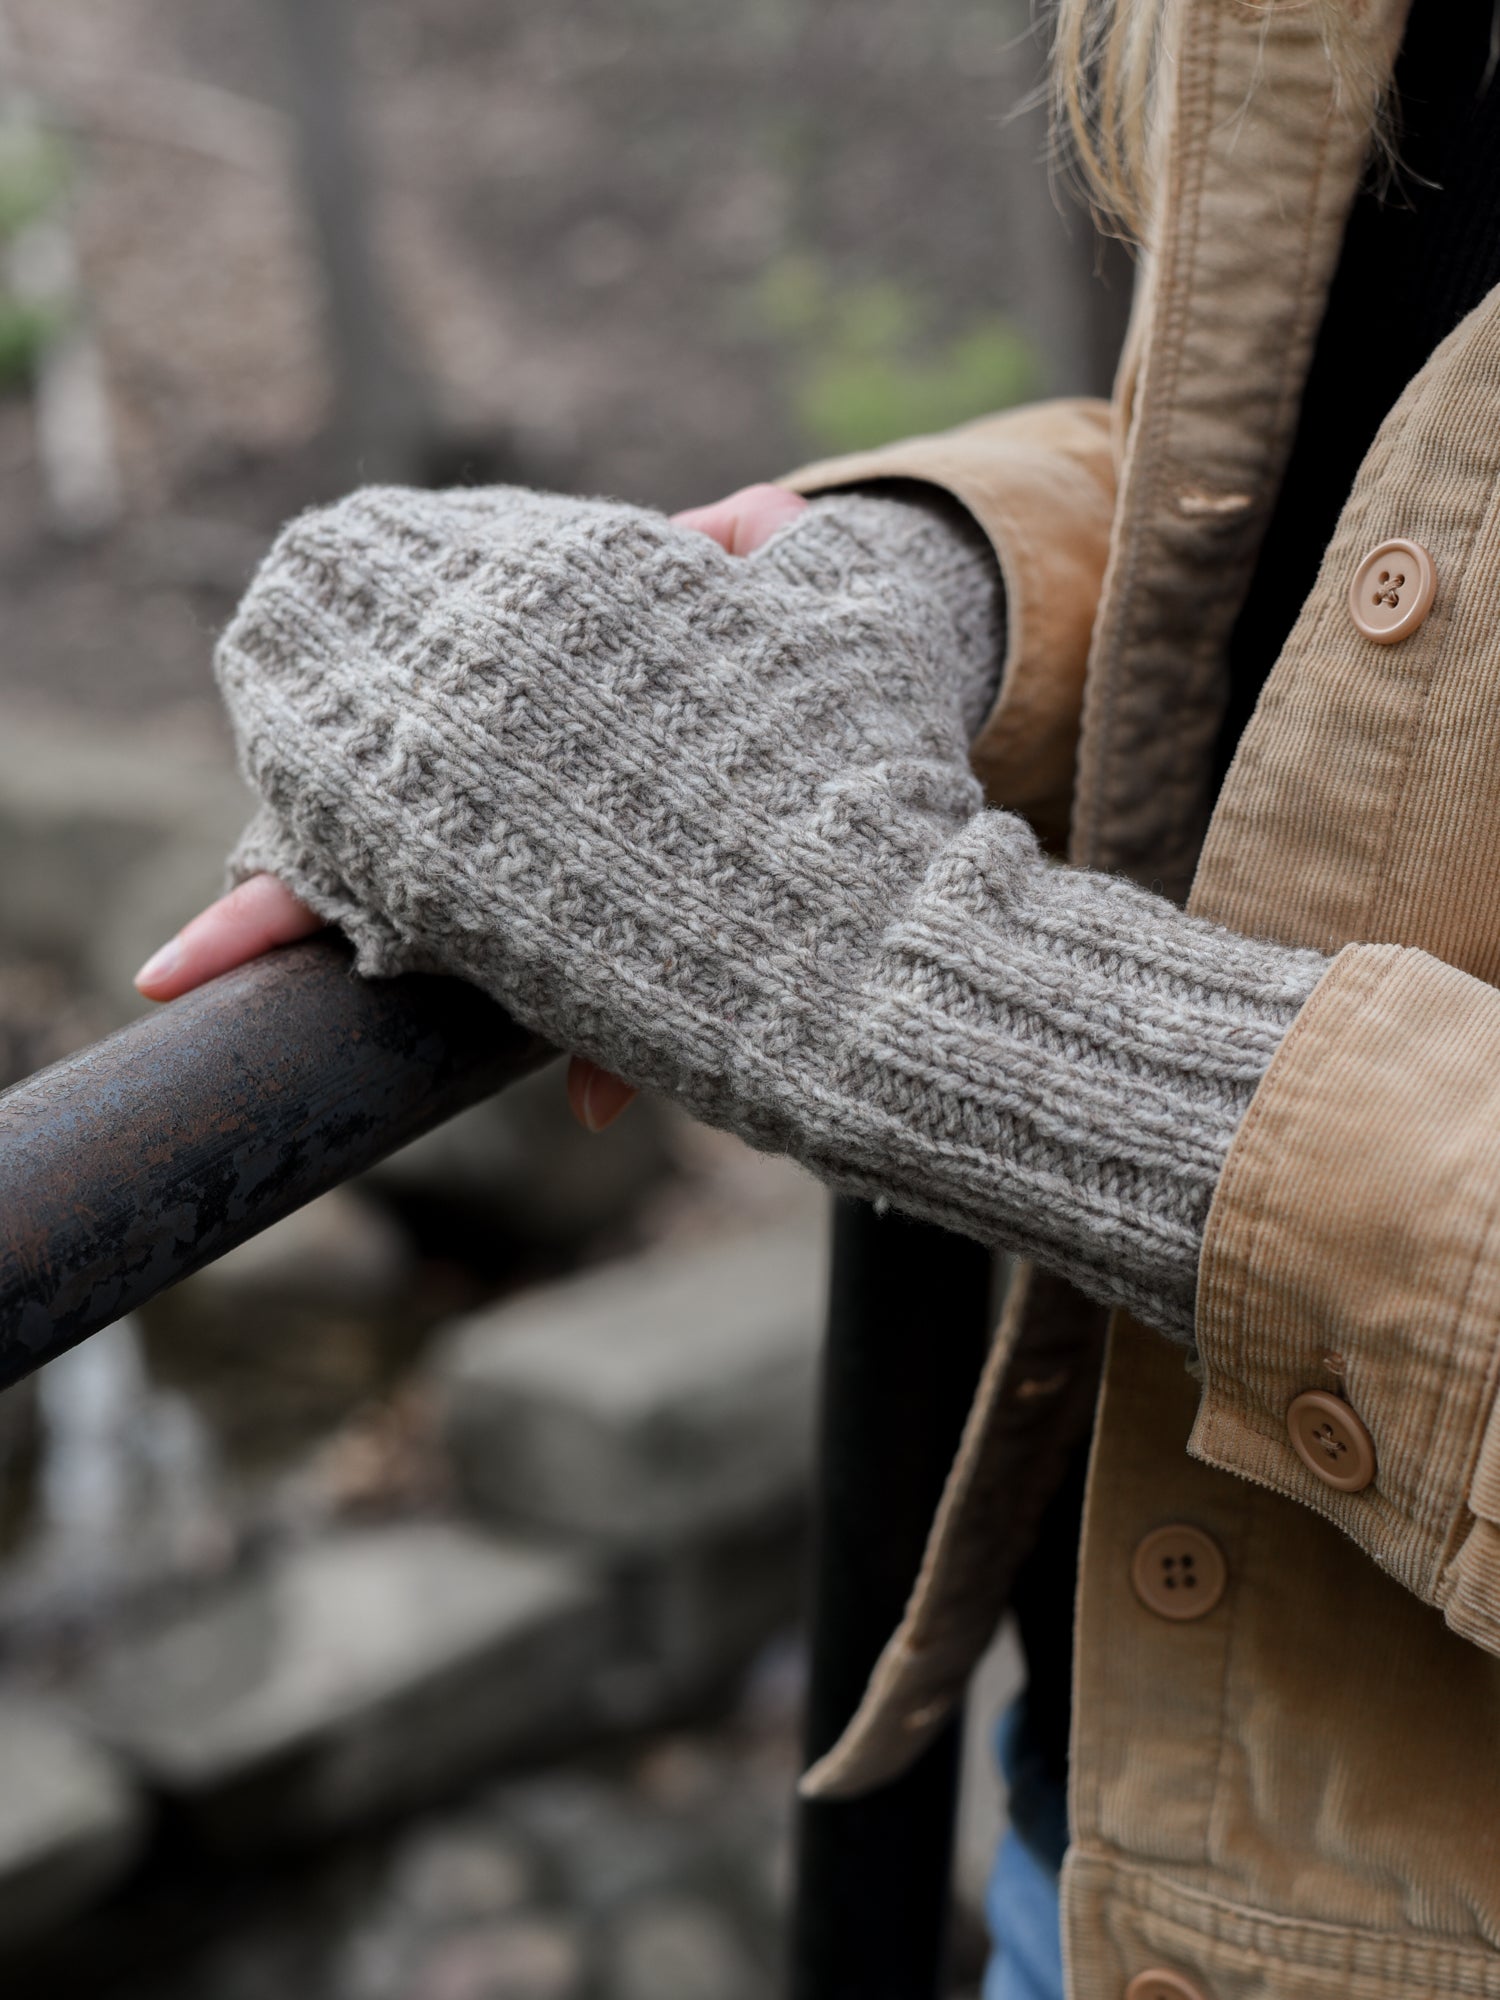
24,331
865,365
35,176
35,172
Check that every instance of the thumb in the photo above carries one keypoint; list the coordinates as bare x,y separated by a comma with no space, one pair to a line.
745,520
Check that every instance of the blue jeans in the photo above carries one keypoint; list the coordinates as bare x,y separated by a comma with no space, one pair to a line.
1021,1904
1021,1907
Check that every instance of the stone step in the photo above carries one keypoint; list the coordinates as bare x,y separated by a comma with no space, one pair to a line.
70,1821
662,1404
352,1676
109,839
694,1619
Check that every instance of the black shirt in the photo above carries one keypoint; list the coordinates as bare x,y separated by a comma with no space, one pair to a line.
1419,253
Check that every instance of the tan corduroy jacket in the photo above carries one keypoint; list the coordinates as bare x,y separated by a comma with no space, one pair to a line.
1290,1793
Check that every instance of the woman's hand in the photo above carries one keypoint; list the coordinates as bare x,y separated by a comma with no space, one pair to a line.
251,920
262,913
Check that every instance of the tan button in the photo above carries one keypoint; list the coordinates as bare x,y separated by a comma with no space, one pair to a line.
1392,591
1179,1572
1159,1985
1332,1440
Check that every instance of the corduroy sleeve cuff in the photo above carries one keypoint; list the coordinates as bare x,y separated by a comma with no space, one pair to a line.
1354,1247
1041,483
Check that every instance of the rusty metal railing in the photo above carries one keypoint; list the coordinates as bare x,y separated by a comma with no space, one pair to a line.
136,1162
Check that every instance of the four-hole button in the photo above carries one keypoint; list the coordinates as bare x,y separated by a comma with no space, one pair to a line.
1391,591
1179,1572
1330,1438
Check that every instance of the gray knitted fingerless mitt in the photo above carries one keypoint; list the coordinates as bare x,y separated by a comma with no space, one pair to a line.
710,821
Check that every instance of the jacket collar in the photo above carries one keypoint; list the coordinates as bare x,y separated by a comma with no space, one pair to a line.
1262,161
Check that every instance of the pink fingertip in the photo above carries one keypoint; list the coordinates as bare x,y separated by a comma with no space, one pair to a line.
595,1115
160,966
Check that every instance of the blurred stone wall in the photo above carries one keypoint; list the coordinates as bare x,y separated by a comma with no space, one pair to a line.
627,246
442,1476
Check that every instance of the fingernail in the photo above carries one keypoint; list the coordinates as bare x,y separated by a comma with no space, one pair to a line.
595,1116
160,963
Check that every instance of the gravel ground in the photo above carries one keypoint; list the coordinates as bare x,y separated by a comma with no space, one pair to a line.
657,1872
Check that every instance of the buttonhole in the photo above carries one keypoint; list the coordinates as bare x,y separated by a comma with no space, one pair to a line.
1037,1386
1195,502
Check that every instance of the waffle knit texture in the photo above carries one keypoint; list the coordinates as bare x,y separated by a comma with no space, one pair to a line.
710,821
